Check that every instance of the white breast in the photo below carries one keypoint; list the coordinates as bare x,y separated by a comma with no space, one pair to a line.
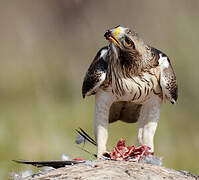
139,89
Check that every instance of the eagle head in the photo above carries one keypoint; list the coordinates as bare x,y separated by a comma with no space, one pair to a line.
122,37
128,48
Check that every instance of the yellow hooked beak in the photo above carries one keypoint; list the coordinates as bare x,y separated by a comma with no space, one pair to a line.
115,40
111,35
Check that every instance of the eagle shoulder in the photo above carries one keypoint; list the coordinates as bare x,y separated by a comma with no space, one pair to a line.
96,73
168,80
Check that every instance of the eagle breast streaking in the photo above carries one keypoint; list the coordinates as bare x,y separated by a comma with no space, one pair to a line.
130,79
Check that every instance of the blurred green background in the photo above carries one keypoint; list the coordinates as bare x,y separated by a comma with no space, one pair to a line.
45,50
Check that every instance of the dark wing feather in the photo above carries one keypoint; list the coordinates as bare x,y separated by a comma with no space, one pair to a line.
54,164
124,111
96,73
168,80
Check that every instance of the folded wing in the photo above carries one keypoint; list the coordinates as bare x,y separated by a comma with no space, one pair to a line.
168,81
96,73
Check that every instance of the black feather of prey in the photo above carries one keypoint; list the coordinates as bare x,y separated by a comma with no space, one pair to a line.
82,133
52,163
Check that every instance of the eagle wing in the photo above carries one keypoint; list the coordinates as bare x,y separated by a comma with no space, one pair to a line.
96,73
168,80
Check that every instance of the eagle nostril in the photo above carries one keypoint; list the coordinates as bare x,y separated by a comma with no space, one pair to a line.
107,34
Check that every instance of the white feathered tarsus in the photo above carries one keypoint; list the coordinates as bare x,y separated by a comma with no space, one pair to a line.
129,79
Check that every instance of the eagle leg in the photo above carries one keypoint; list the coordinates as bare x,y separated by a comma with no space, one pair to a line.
147,122
103,102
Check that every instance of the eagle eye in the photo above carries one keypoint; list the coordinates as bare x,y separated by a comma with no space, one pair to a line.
129,43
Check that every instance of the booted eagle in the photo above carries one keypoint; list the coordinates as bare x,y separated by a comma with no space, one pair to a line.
129,79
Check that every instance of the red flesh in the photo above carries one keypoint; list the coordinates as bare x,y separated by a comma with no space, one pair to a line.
121,152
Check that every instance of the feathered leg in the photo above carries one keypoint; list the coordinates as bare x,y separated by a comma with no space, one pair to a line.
103,101
147,122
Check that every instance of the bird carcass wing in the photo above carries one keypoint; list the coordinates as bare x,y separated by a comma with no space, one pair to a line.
124,111
168,81
96,73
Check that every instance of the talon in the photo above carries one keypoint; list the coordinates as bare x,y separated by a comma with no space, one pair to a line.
103,156
106,154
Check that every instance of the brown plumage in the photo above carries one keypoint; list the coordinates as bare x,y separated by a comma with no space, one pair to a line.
130,79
